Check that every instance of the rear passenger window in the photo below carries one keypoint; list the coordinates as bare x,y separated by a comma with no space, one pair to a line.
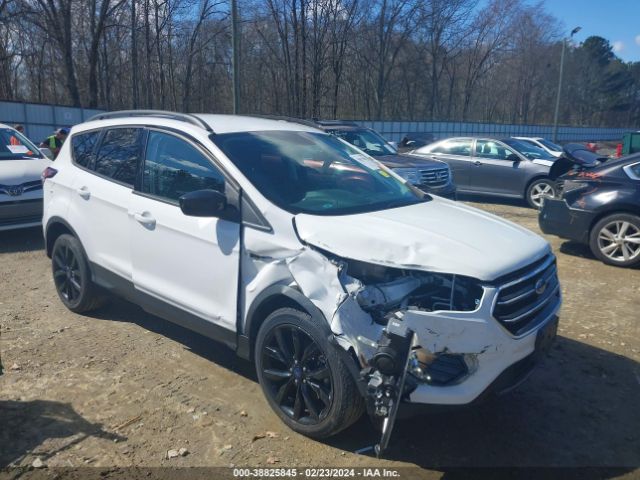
174,167
461,147
118,154
83,147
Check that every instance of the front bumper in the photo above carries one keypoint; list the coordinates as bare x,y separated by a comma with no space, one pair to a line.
558,218
479,335
447,191
20,214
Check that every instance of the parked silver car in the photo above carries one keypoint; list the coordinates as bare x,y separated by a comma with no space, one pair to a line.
505,168
21,164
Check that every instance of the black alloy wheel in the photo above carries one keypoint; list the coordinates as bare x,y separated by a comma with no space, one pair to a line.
297,374
67,274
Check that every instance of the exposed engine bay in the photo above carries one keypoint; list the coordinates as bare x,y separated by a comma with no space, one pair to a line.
383,289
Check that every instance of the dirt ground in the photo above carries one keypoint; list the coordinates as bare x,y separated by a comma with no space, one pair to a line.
122,387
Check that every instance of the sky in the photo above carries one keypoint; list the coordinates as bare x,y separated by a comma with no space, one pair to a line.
616,20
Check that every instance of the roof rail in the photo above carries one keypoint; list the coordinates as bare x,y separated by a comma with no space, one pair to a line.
183,117
328,123
284,118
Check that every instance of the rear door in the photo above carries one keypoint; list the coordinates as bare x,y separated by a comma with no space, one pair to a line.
457,153
101,193
191,263
495,169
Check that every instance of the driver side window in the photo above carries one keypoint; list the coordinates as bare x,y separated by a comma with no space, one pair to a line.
492,150
173,167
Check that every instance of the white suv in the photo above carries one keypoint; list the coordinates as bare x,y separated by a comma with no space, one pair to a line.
301,253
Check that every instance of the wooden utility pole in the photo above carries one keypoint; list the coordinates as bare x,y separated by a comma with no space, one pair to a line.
235,61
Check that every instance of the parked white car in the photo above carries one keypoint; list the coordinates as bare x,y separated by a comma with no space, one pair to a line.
547,145
21,166
344,284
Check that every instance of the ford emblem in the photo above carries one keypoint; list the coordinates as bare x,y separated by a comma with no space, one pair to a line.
541,286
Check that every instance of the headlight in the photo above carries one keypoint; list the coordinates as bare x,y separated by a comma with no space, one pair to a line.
382,289
411,175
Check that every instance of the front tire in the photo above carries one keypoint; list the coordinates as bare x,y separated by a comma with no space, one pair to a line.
616,240
303,377
538,191
72,277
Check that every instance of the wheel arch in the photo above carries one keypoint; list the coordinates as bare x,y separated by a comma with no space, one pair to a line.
269,300
535,178
57,226
627,209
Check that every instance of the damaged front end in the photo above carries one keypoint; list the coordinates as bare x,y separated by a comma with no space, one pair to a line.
396,363
387,293
416,336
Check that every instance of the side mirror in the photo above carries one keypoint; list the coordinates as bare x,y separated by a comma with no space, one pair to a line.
512,157
203,203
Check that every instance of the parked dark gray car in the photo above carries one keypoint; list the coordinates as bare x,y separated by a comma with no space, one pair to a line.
429,175
505,168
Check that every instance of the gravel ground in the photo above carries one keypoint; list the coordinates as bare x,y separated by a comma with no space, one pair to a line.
122,387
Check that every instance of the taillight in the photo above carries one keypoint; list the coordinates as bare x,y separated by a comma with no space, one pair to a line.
48,173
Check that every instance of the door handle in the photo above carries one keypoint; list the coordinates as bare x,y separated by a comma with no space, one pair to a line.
145,219
477,163
84,193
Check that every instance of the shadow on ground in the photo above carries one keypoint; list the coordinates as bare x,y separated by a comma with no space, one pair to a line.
578,409
26,425
513,202
22,240
123,311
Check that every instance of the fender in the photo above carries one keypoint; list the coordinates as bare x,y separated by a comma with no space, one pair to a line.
272,296
277,294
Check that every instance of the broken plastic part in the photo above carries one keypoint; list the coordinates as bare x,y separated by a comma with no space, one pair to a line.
387,376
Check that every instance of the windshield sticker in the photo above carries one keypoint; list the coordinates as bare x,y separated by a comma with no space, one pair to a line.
18,148
383,173
370,163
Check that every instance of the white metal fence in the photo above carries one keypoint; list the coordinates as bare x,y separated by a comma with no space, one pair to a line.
40,120
396,130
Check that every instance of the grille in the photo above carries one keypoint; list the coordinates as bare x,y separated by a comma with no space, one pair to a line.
17,190
436,177
528,297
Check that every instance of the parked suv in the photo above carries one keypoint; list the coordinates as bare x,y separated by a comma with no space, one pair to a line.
504,168
304,255
429,175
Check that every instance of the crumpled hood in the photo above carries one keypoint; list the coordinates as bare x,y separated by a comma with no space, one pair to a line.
437,236
408,161
16,172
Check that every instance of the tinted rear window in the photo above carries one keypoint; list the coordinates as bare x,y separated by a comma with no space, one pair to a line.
83,146
118,154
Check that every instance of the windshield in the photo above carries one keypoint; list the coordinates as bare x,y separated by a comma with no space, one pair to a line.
366,140
530,151
315,173
15,146
550,145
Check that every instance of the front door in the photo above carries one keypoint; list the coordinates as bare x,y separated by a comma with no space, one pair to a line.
188,262
495,169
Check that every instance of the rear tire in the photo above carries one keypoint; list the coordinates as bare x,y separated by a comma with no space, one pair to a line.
72,276
538,191
306,382
615,240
